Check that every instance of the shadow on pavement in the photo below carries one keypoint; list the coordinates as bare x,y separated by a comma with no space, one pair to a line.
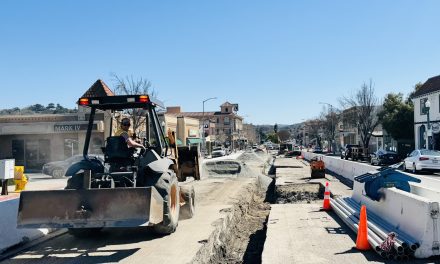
110,245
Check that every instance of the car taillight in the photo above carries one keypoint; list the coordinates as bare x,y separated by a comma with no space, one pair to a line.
423,158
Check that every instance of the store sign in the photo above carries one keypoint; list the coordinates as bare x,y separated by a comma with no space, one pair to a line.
73,128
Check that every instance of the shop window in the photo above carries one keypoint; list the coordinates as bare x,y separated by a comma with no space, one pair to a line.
43,150
70,147
31,152
37,152
96,145
18,151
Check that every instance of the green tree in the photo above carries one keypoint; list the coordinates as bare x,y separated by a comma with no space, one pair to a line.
37,108
273,137
397,116
417,86
50,106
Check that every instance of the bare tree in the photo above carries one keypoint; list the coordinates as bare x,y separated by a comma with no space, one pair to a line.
127,86
329,118
283,135
221,137
314,128
250,132
362,109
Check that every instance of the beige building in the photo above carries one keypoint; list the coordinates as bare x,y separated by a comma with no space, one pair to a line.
223,127
187,129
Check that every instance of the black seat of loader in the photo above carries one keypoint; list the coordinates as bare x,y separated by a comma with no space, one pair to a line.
117,150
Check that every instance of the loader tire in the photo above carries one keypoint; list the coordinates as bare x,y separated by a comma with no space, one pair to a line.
187,210
169,190
75,182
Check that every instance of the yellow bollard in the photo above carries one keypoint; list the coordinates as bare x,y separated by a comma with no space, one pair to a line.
20,178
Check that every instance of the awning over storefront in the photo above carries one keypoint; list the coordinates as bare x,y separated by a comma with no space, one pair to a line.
194,140
179,142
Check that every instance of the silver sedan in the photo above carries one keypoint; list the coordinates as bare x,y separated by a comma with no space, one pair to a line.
422,159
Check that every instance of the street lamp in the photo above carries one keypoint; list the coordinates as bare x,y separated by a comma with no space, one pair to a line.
332,127
428,132
203,122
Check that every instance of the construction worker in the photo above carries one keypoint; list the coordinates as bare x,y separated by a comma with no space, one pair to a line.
126,134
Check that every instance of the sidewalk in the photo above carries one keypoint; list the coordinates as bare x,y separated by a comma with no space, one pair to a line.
9,233
302,232
36,181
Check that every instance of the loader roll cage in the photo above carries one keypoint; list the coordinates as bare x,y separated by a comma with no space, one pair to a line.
120,103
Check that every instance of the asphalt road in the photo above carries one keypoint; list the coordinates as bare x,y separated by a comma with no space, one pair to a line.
141,245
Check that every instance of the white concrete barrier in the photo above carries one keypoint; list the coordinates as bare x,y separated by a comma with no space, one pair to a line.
346,168
9,234
415,213
350,169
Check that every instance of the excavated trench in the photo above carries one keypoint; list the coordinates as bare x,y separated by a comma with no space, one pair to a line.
299,193
240,235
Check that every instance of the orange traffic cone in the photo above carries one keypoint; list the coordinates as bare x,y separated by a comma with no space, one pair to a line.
326,205
362,235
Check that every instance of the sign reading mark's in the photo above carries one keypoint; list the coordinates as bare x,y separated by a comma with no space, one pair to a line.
73,128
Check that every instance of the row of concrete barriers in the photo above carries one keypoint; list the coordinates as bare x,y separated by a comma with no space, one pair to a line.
415,213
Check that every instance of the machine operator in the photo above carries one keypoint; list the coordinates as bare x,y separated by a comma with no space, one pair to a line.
126,134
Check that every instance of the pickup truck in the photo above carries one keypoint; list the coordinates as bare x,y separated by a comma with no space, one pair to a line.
353,151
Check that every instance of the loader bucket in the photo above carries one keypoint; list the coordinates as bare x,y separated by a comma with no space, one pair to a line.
189,162
120,207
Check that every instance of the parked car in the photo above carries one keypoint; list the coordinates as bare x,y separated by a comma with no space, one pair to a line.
317,150
422,160
218,152
57,169
347,151
384,157
295,152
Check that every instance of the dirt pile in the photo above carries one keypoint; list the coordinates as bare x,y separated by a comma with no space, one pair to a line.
221,167
240,236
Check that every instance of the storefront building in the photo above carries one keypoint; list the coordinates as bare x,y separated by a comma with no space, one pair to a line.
37,139
33,140
187,130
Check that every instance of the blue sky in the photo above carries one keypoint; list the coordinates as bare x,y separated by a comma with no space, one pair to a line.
276,59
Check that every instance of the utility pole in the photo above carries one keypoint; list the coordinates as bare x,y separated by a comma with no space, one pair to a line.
203,123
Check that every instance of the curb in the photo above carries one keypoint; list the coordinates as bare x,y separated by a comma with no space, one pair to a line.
14,250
